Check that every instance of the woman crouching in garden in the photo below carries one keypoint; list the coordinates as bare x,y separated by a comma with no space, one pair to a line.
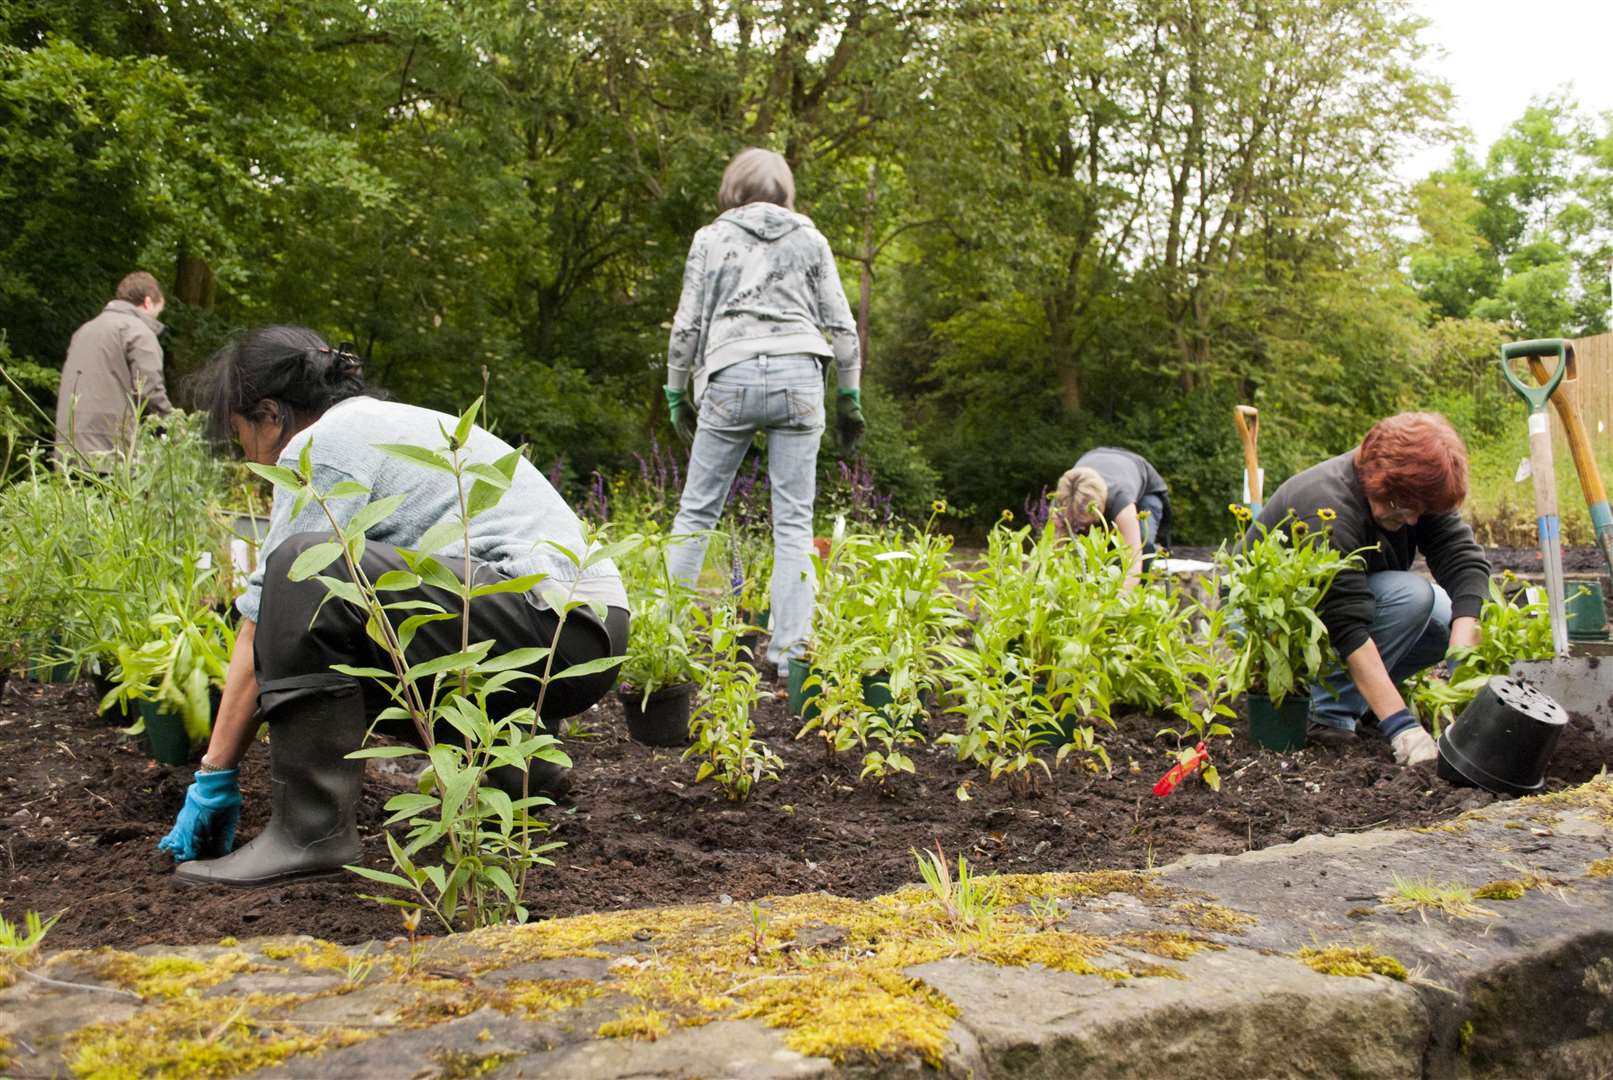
1388,500
280,391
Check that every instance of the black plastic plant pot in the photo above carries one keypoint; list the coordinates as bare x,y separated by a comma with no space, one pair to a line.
1503,740
749,643
166,737
803,702
116,713
663,720
5,677
1279,727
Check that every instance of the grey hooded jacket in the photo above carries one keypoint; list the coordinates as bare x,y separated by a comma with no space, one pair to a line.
759,281
112,360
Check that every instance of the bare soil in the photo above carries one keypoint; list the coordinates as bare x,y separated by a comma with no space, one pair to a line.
83,808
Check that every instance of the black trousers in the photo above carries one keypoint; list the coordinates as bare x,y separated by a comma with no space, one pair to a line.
301,634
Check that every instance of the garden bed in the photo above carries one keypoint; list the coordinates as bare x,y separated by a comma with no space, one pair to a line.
83,809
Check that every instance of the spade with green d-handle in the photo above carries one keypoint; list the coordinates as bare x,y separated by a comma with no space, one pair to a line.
1547,522
1567,402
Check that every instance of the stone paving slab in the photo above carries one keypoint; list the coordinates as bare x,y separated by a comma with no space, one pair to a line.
1313,959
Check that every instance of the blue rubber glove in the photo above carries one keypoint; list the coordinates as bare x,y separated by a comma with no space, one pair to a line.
205,828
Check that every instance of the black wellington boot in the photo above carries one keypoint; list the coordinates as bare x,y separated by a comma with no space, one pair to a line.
313,829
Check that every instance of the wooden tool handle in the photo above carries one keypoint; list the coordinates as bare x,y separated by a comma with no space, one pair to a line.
1567,400
1247,420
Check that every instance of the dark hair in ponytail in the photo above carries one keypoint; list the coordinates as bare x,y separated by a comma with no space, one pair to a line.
289,365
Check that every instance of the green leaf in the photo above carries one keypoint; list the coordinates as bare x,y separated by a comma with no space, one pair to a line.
278,475
386,752
439,536
380,877
344,489
467,420
436,574
515,658
313,560
396,580
524,583
419,455
588,667
482,498
456,661
374,513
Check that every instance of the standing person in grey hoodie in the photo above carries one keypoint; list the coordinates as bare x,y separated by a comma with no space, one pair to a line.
748,354
114,363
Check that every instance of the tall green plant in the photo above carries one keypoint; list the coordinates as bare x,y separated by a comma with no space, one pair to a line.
1275,583
721,726
489,842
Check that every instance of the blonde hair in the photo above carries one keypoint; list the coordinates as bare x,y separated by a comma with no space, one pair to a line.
756,175
1078,502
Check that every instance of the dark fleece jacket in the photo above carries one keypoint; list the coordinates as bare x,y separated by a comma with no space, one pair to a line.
1445,540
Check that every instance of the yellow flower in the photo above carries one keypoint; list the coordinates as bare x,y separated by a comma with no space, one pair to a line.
1006,515
1240,511
1300,528
939,506
1326,515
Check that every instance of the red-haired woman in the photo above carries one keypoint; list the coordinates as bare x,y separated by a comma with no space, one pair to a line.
1396,496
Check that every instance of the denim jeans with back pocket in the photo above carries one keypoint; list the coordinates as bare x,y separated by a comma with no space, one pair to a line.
783,396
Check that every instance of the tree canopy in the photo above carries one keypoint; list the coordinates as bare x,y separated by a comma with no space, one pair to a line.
1069,222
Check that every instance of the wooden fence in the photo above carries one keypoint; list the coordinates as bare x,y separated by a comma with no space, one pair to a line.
1595,358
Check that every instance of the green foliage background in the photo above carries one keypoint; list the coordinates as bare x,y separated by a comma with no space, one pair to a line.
1082,222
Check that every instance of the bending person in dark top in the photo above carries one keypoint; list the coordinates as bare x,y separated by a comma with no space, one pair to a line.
1119,487
1389,499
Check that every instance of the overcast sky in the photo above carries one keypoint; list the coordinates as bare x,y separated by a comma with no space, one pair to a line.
1500,53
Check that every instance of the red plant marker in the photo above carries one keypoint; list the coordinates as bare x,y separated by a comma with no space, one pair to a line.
1181,771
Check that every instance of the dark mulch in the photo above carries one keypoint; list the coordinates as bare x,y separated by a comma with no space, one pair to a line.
83,809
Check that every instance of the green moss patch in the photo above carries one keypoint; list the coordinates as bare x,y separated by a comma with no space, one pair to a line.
1354,960
195,1037
843,995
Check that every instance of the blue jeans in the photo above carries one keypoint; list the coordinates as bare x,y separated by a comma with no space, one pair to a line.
1154,507
783,396
1412,629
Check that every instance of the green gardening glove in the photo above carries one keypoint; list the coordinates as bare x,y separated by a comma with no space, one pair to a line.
683,414
849,422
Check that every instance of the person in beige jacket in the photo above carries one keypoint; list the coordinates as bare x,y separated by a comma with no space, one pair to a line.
113,365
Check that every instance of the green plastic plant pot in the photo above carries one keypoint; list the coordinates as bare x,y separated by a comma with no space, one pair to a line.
1279,727
803,702
1587,611
166,735
877,691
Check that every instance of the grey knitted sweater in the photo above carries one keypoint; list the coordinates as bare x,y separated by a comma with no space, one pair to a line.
759,281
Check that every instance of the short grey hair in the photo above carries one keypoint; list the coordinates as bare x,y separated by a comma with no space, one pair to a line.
756,175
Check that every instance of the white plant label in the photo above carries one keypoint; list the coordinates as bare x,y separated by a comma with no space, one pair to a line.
1524,471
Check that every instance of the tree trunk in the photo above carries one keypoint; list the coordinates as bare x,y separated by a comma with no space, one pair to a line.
193,281
865,287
